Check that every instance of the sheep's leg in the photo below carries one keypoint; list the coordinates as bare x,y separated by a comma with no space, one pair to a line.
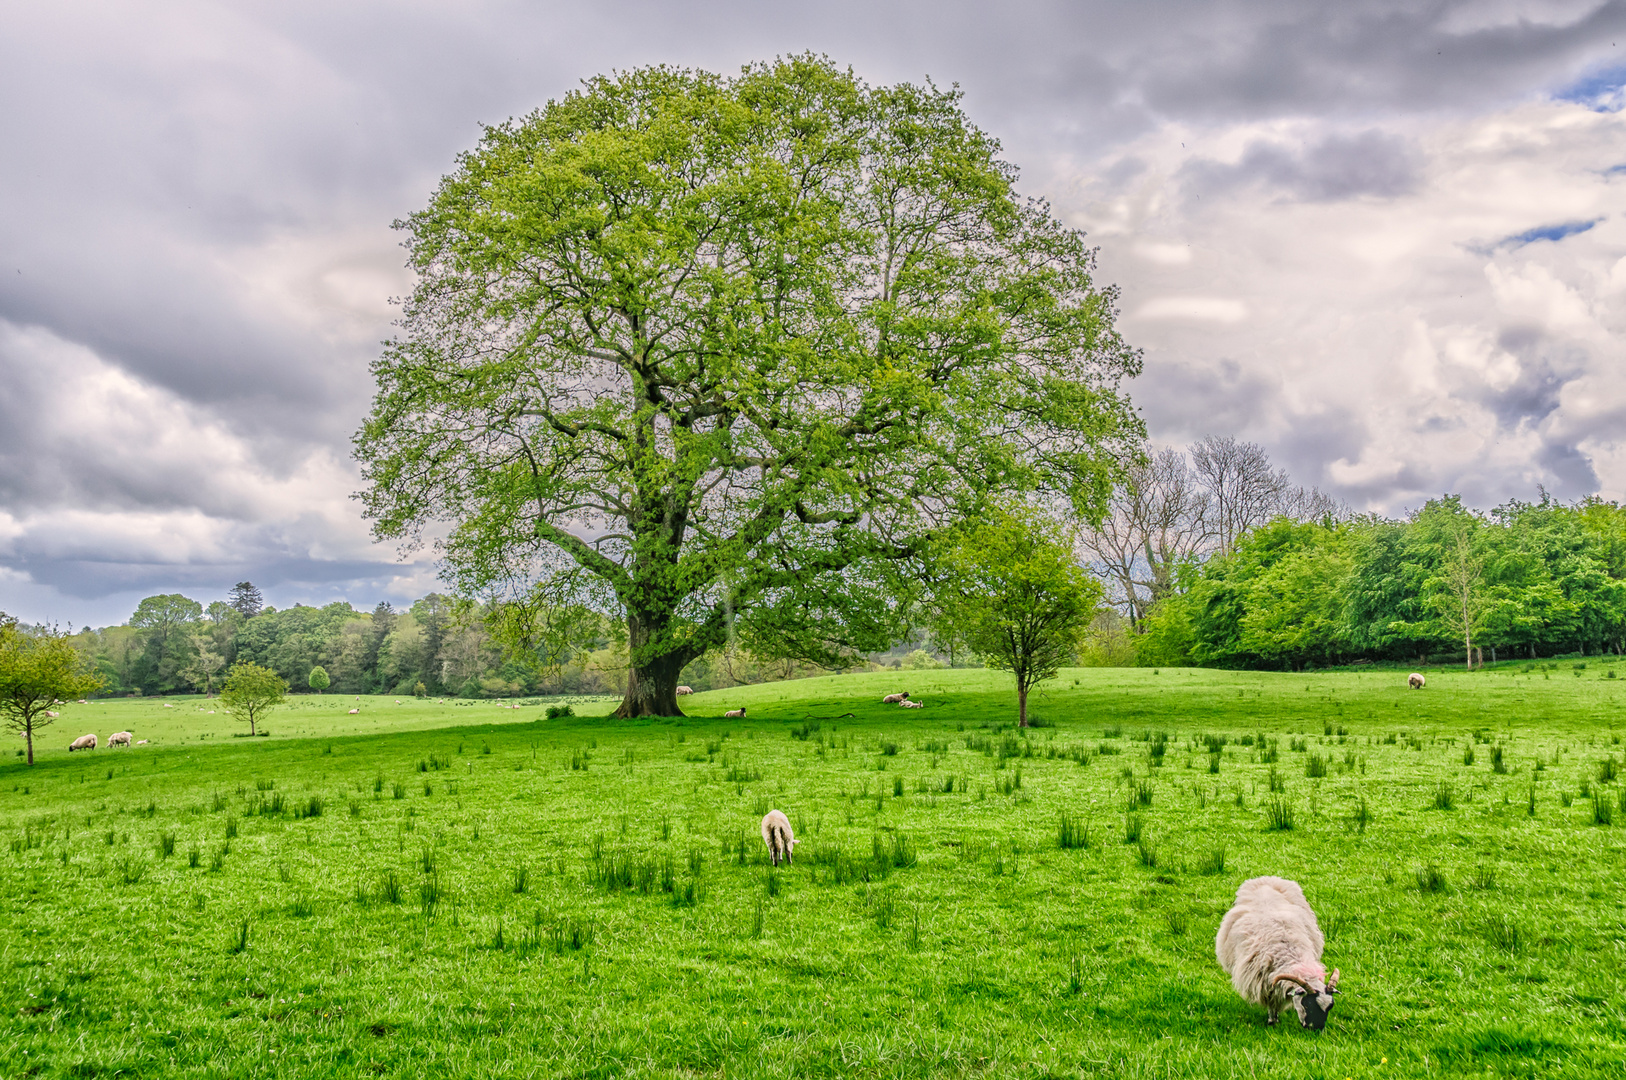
1270,1021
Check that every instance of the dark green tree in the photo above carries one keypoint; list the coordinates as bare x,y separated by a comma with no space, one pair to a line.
723,355
246,599
166,623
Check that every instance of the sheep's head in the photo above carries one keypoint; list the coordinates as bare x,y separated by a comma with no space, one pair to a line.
1311,1004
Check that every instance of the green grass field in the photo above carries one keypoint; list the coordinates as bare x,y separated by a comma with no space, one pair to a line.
474,891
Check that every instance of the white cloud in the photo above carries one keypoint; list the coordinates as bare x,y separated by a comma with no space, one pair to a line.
1383,344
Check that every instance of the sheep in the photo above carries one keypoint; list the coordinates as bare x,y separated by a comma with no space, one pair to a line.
52,715
141,742
1270,937
1415,680
913,704
777,835
168,706
83,742
735,714
118,738
684,690
895,699
354,711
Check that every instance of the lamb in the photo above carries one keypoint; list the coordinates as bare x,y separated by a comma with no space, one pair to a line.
684,690
913,704
83,742
118,738
735,714
895,699
1415,680
141,742
1270,937
777,835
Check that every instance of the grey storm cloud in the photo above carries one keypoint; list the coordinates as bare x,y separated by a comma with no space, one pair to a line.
196,244
1369,163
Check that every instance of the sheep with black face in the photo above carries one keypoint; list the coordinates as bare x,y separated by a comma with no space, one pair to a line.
1270,944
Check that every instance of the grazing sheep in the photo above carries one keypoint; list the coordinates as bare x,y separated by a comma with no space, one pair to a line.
52,715
777,835
1415,680
354,711
913,704
168,706
735,714
83,742
684,690
118,738
141,742
1270,937
895,699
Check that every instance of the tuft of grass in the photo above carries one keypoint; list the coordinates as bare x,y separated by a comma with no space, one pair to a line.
1214,861
1146,849
1071,834
1603,808
1482,877
1176,920
1133,825
239,940
1442,796
1278,813
389,887
166,844
1429,879
131,870
1315,765
521,879
1504,932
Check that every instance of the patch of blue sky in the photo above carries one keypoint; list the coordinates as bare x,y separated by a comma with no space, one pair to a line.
1554,233
1604,89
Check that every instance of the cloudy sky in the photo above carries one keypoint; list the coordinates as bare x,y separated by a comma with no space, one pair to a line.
1385,239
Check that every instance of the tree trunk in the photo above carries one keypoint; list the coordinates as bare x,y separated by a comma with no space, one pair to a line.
1021,704
652,682
28,737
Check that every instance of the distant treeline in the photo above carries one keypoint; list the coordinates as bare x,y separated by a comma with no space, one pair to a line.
1524,581
438,646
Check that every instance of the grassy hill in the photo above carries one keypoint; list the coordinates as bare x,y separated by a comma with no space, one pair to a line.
471,890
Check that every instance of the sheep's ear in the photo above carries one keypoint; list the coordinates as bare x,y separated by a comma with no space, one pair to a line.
1332,983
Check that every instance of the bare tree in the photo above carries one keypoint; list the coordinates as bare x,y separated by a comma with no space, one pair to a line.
1244,491
1158,521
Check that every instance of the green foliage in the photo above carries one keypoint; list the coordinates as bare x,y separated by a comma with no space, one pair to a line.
1013,592
38,667
251,691
769,330
318,680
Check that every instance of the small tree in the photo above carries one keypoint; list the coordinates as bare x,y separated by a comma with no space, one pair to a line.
1013,593
37,667
319,680
1458,592
251,691
420,690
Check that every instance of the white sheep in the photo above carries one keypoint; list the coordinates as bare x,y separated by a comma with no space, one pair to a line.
168,706
118,738
1270,937
83,742
1415,680
141,742
913,704
52,715
895,699
735,714
354,711
777,835
684,690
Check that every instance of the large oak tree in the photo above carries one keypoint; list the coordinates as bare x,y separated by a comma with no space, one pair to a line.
725,354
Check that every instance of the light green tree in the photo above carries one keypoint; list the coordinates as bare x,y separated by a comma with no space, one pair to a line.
38,667
1012,591
728,353
318,679
252,691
